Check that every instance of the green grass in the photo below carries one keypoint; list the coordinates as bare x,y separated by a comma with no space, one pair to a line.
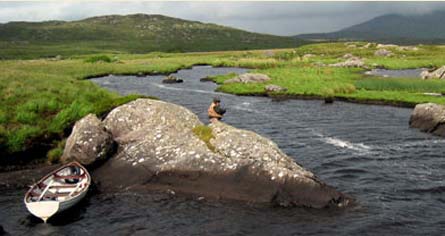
101,58
302,77
395,84
304,80
205,134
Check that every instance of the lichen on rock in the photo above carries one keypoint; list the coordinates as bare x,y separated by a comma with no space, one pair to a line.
159,149
89,142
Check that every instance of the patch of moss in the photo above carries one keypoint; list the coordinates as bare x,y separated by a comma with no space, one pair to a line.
55,154
205,134
101,58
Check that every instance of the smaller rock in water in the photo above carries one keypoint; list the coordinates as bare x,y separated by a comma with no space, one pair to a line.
272,88
383,53
249,78
89,142
328,100
429,117
425,74
436,74
172,80
206,79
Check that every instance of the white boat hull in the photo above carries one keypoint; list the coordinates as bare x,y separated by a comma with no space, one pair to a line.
43,210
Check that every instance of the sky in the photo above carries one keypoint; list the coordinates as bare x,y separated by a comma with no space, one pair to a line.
280,18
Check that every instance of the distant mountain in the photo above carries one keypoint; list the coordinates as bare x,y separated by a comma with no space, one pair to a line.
427,28
138,33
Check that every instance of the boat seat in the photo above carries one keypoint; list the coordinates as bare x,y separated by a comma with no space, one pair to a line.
64,186
56,176
34,194
43,186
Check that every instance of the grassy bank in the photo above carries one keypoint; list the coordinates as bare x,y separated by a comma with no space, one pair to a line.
42,98
306,76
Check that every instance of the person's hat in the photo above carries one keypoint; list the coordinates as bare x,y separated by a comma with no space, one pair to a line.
216,99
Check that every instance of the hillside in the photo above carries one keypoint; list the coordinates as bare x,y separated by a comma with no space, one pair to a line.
427,28
137,33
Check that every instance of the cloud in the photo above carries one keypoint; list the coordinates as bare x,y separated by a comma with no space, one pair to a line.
282,18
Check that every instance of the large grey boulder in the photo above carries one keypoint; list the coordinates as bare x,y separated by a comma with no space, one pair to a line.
429,117
249,78
142,113
436,74
89,142
160,150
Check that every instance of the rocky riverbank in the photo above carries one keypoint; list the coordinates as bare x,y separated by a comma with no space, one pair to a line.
159,149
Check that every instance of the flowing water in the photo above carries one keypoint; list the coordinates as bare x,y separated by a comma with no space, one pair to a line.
406,73
396,173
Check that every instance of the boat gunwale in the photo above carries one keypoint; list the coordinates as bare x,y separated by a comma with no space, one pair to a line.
74,163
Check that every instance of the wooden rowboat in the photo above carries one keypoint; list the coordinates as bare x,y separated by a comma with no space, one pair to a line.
58,191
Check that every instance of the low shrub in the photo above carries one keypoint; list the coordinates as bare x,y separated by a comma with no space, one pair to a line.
100,58
55,154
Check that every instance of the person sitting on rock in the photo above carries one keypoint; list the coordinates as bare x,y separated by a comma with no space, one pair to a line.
215,110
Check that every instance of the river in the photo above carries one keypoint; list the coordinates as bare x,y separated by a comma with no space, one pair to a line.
395,173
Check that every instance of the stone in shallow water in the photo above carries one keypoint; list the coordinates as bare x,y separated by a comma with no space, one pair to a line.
242,165
172,80
436,74
429,117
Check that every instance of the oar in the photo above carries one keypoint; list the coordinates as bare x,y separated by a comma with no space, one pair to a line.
44,191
